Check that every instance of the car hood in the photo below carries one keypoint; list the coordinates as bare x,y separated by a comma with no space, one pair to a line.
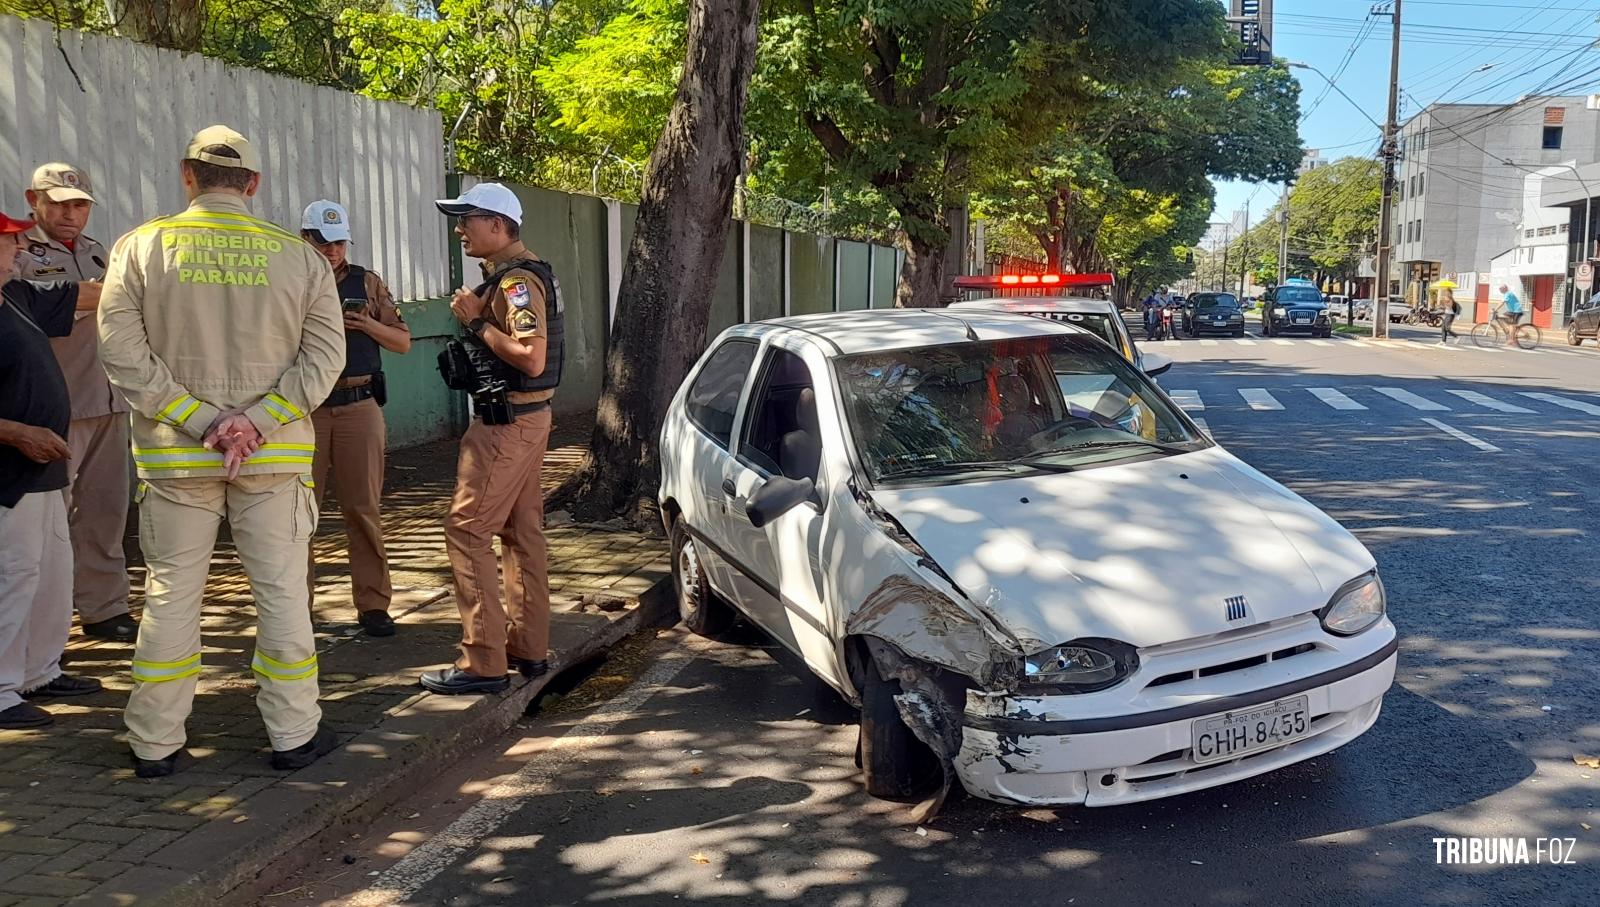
1300,306
1143,552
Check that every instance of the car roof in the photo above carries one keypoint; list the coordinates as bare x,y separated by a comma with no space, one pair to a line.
1080,304
850,333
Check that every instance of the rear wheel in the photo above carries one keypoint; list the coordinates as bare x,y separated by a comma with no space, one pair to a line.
1573,337
894,764
1527,336
702,610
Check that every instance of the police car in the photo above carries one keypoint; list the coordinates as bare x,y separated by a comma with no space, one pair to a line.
1033,294
1033,573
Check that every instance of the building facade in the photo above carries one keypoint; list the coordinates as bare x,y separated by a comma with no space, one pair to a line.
1462,198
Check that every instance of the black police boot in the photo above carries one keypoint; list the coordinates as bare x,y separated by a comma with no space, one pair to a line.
122,628
64,685
24,715
161,768
376,622
323,742
529,668
453,681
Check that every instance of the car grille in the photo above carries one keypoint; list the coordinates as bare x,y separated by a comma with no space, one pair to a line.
1231,666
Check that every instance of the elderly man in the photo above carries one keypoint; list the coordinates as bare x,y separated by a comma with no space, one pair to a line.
97,499
35,557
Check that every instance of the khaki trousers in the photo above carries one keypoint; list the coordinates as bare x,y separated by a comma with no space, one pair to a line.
35,593
272,518
350,440
97,516
498,493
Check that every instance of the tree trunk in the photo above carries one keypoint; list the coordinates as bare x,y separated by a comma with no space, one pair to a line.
922,275
178,24
663,304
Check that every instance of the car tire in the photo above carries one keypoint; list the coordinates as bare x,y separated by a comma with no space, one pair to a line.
1573,337
895,765
701,609
1238,332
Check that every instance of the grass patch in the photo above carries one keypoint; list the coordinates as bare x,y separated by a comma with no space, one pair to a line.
1353,330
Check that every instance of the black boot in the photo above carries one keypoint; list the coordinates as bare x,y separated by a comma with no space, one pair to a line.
321,744
453,681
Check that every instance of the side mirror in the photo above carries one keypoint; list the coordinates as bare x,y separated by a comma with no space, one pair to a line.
778,496
1156,364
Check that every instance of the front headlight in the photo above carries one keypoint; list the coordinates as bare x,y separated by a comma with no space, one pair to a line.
1085,666
1355,607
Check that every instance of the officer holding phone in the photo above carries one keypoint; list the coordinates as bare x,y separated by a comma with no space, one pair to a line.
350,429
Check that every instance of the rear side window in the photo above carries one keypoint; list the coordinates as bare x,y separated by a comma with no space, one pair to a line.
715,393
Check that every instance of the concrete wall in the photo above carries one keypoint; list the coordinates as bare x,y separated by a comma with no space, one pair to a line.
138,106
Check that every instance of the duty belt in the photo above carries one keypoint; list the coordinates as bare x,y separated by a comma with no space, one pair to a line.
350,395
522,409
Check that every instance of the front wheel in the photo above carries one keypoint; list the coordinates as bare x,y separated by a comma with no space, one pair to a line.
1573,337
1483,335
895,765
701,609
1528,336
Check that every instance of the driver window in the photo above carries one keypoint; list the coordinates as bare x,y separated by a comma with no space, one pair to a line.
782,434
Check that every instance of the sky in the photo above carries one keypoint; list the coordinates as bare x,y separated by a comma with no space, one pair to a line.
1533,46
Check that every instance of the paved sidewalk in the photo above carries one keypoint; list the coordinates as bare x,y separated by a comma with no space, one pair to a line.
76,825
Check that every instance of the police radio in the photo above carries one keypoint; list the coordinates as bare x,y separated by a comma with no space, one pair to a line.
468,365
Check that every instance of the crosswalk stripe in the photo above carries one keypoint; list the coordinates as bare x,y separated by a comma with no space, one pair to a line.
1334,398
1320,342
1581,407
1259,399
1282,342
1203,426
1412,400
1244,341
1490,402
1460,435
1188,400
1208,343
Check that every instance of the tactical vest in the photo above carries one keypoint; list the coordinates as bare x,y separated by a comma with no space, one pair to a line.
361,355
555,329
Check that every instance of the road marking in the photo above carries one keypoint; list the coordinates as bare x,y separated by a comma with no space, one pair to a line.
1490,402
1188,400
1203,426
1315,342
1282,342
419,867
1460,435
1170,342
1259,399
1334,398
1581,407
1412,400
1208,343
1244,341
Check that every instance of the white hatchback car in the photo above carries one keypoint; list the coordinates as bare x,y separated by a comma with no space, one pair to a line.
1031,571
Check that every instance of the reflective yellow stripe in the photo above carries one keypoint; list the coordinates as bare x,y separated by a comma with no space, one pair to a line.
188,411
199,457
179,410
283,402
165,671
283,416
244,219
270,667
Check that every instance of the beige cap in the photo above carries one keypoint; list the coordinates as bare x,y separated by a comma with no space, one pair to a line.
61,183
244,155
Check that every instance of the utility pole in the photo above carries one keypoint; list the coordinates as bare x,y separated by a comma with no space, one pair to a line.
1283,237
1244,256
1390,151
1227,237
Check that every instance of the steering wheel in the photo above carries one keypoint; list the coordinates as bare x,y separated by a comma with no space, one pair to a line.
1043,439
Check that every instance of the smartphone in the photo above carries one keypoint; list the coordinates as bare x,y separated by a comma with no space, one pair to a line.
354,305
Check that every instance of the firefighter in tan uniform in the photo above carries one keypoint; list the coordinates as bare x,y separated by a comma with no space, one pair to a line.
223,332
349,424
515,332
97,500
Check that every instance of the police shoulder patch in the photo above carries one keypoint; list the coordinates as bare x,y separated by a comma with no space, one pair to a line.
38,249
524,320
517,292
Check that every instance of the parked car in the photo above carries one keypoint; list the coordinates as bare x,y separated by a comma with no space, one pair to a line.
1295,307
1399,310
1097,316
1215,313
1585,322
1032,572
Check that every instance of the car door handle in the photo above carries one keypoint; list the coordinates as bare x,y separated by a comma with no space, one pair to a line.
729,488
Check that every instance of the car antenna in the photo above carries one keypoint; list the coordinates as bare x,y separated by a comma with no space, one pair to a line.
971,334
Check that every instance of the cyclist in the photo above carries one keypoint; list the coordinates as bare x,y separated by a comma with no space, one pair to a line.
1511,313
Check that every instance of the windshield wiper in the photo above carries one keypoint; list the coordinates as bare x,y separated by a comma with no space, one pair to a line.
948,467
1130,441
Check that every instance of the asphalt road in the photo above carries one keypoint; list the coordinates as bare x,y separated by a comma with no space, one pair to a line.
719,776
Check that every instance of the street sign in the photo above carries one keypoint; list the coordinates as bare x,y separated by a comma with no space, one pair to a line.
1584,277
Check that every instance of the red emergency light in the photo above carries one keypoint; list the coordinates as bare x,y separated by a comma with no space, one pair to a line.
1000,281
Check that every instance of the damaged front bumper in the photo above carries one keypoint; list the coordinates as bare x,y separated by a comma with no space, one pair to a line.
1071,749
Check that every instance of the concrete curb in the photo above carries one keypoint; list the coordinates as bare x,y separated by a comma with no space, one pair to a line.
223,862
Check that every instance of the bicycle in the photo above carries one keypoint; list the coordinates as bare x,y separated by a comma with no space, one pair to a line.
1495,333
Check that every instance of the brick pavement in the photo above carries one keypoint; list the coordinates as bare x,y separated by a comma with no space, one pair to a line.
76,825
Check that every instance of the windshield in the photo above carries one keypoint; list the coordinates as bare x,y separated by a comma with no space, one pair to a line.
1099,323
1216,301
1295,293
989,408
